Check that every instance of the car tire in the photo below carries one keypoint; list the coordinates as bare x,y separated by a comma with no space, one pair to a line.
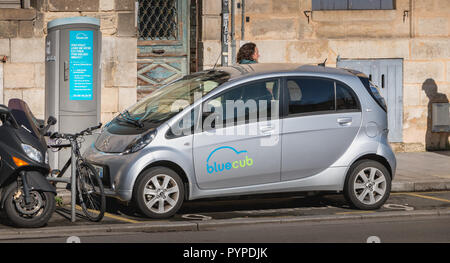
367,185
159,192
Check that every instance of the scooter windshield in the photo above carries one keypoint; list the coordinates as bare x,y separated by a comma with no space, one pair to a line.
24,117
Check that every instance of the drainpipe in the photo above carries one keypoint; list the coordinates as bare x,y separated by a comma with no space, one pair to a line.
225,19
2,61
233,39
243,20
411,24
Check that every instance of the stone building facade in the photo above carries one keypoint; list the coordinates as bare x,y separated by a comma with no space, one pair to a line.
414,32
417,32
22,41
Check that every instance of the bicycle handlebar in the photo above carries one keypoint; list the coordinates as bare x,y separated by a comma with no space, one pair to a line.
87,131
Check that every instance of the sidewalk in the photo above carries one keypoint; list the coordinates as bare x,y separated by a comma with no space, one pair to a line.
422,171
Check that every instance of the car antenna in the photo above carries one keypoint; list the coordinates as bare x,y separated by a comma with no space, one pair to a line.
323,63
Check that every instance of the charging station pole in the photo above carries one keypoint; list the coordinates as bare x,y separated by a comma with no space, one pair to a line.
72,83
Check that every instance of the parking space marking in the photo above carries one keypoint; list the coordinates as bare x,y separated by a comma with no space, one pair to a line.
428,197
430,192
124,219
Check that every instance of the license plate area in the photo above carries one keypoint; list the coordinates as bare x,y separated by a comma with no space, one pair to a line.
99,170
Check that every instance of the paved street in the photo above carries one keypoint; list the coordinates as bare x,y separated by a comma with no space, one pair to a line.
320,218
208,221
391,230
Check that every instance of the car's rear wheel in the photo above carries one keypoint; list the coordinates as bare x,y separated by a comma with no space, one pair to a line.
368,185
159,192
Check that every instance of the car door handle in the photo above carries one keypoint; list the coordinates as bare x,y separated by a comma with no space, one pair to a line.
158,51
344,121
266,129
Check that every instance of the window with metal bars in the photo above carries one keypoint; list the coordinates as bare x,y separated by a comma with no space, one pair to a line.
158,20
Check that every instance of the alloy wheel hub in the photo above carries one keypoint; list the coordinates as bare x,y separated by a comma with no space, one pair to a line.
161,193
370,185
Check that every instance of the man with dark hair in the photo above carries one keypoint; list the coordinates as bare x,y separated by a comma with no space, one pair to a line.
248,54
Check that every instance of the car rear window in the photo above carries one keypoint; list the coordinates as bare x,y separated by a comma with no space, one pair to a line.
374,92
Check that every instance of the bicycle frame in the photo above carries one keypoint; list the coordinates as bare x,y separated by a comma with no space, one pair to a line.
75,156
75,152
69,161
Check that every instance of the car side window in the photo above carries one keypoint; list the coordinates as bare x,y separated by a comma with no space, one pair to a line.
246,103
345,98
310,95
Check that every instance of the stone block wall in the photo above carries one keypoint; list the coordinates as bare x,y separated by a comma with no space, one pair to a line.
420,36
22,40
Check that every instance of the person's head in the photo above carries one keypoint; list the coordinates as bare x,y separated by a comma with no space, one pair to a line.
248,51
430,87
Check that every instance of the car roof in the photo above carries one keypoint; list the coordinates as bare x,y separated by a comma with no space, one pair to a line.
247,70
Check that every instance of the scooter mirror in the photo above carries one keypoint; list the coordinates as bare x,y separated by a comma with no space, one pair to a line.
51,121
4,109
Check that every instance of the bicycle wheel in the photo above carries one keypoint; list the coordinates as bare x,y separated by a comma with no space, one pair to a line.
91,195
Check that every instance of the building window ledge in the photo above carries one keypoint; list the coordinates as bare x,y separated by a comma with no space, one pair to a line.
354,15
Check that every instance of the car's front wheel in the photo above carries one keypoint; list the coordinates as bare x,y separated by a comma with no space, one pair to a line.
368,185
159,192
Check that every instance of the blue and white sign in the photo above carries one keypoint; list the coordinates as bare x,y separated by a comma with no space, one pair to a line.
81,65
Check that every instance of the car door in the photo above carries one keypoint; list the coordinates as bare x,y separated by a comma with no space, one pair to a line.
238,145
322,117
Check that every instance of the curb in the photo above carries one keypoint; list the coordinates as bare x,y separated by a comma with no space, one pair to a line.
405,186
66,231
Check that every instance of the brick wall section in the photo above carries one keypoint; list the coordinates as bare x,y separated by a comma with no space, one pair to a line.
282,33
22,39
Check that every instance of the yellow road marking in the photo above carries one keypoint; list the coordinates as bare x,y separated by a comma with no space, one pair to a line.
124,219
430,192
357,212
429,197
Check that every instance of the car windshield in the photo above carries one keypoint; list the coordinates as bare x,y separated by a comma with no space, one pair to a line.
169,100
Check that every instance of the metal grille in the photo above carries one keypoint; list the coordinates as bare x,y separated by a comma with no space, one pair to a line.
158,20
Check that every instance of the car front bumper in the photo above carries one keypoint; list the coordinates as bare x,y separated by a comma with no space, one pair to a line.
120,171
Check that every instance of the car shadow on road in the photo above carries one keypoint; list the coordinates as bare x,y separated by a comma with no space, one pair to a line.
241,204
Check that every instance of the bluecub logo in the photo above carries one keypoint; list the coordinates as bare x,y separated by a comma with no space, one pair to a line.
218,167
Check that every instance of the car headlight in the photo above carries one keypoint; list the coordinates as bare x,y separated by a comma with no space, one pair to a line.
46,157
32,152
140,142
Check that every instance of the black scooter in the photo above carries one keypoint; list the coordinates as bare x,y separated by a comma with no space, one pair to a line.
26,197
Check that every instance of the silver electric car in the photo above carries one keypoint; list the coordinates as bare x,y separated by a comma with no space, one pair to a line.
249,129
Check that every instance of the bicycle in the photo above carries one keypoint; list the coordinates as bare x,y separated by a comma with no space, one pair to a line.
89,186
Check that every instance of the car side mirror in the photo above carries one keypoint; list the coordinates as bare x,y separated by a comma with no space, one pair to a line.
206,114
